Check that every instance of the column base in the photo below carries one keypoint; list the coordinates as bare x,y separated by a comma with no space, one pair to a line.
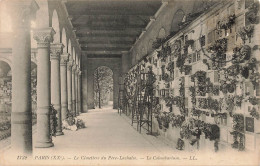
59,133
44,145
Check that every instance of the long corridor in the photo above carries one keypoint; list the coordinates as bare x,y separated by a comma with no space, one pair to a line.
106,132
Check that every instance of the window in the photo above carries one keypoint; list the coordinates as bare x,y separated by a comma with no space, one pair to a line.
202,41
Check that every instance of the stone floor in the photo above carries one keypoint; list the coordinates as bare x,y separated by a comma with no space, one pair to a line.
109,139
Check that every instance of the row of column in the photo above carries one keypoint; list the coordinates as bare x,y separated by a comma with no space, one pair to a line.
58,81
61,93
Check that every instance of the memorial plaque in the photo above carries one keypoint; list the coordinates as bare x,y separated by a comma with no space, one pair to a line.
249,124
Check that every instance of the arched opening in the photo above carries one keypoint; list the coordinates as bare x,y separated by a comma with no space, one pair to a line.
103,87
56,27
177,19
64,40
161,33
69,47
5,99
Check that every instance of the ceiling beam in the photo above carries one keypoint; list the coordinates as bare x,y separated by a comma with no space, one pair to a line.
110,27
107,45
106,18
106,38
103,52
107,42
107,12
105,48
104,56
81,35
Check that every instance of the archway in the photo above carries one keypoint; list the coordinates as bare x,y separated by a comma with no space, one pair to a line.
56,27
103,87
177,19
5,99
64,40
161,33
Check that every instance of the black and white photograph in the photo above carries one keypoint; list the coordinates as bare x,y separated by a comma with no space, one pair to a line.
129,83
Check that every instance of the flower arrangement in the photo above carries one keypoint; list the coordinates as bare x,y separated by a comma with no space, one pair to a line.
166,77
254,78
157,43
240,54
227,23
181,61
238,100
238,144
170,66
215,90
180,144
177,120
251,15
196,112
246,32
177,48
185,131
253,100
53,120
238,131
218,49
254,113
188,43
213,104
203,103
187,69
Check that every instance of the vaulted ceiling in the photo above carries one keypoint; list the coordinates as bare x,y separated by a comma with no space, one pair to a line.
110,27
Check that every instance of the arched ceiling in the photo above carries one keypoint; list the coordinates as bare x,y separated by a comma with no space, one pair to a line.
110,27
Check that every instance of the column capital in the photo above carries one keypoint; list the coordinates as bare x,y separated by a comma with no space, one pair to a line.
22,11
70,63
74,67
44,36
64,58
56,50
79,72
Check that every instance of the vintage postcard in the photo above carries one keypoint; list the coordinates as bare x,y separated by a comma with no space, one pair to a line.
129,82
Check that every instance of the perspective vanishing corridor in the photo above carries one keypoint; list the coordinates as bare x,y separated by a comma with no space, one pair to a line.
129,82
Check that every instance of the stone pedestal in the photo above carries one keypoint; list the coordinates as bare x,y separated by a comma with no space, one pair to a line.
56,50
43,38
21,118
63,84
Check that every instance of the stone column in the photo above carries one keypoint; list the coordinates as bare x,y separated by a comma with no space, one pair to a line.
43,38
63,82
74,67
76,92
69,81
21,118
79,92
56,50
